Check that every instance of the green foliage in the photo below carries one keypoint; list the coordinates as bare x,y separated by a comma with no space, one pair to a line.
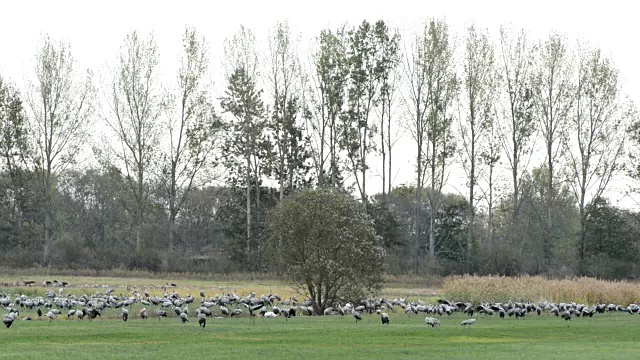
327,246
231,218
451,230
288,149
102,227
14,147
193,126
318,128
611,246
389,226
520,240
244,144
20,197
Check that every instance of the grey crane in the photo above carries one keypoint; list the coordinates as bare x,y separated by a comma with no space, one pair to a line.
51,315
468,322
184,318
160,313
91,313
252,309
144,315
202,320
203,310
125,314
8,320
357,316
385,318
433,322
289,312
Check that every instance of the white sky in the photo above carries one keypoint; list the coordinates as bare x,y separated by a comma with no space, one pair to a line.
96,30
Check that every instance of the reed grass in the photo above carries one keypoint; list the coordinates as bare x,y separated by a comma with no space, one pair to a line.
537,288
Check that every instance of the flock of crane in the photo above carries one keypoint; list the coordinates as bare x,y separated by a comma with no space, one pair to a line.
57,304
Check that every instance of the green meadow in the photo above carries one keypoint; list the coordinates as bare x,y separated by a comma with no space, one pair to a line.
611,336
325,337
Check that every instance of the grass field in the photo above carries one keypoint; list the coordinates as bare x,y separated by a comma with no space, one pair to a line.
394,287
612,336
608,336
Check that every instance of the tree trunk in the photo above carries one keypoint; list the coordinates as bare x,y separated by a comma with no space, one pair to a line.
549,237
581,265
432,240
471,220
418,187
290,173
20,228
383,151
363,164
320,166
417,213
248,193
47,236
333,155
172,245
257,200
140,205
139,233
281,174
514,174
255,256
389,146
472,181
432,202
490,210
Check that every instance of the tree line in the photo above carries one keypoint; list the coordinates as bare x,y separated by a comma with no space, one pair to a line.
138,172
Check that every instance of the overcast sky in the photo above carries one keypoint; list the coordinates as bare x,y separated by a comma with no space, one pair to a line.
96,30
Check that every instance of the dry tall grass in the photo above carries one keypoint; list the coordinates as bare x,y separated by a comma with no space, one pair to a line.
537,288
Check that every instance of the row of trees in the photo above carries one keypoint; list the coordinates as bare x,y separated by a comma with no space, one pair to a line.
539,129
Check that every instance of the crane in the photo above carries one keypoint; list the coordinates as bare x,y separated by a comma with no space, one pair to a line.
433,322
468,322
8,320
202,320
357,316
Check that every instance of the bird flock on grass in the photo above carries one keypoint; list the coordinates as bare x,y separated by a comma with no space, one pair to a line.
54,305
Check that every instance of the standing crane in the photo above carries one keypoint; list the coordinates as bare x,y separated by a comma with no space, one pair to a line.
385,318
252,310
184,318
144,315
202,320
357,316
8,320
160,313
51,315
433,322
